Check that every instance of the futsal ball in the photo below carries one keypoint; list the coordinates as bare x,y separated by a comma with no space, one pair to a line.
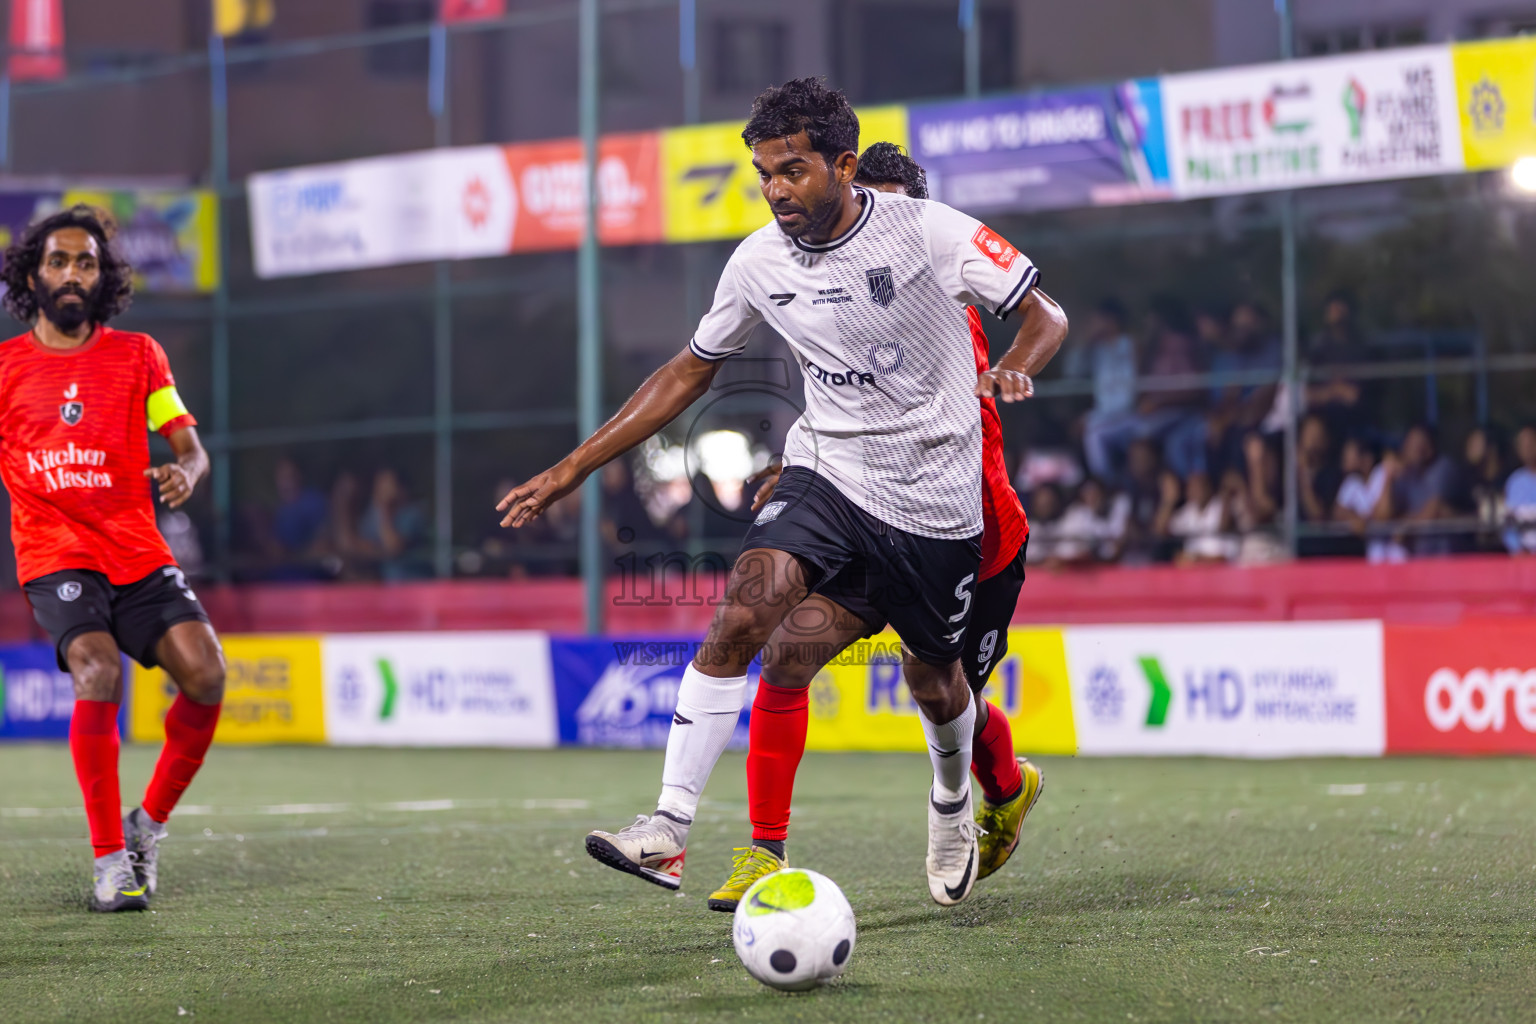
794,930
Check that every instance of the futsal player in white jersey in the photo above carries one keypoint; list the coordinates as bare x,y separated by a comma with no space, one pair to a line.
882,478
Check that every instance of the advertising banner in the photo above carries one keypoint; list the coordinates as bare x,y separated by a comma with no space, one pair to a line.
472,10
861,701
551,192
710,186
1467,689
622,693
439,204
1496,99
1041,151
1286,689
1355,117
439,690
36,699
272,693
37,40
170,237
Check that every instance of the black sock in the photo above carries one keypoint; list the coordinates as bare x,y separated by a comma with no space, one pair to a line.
773,846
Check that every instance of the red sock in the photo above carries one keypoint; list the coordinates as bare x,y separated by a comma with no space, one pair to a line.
993,761
93,744
779,720
188,731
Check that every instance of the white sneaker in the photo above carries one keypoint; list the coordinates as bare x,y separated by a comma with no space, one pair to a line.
113,886
652,848
142,835
952,853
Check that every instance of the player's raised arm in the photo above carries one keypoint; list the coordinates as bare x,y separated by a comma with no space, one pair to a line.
1041,333
660,400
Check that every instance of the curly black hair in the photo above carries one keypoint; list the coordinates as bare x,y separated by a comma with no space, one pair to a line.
25,256
885,163
805,105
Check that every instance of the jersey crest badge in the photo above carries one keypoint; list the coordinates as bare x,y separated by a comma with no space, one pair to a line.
71,411
995,248
882,287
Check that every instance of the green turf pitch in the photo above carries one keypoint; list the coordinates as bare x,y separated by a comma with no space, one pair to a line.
1143,890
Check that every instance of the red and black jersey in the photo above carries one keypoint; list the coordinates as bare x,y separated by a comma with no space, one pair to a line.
74,445
1004,523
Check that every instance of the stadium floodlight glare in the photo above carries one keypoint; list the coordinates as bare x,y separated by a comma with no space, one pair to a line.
1523,174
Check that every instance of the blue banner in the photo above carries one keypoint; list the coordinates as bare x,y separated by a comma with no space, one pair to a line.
1078,147
36,699
621,693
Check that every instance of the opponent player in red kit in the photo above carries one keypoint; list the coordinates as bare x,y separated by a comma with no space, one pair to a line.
77,400
1010,784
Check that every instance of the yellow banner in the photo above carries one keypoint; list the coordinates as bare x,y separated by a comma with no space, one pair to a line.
272,693
1496,93
170,237
710,187
862,703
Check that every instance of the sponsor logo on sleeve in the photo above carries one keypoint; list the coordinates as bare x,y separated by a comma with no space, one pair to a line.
995,248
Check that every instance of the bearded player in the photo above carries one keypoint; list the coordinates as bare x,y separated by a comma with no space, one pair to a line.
824,625
881,495
77,400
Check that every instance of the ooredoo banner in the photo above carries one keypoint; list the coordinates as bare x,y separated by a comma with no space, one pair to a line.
1465,689
551,180
1285,689
439,690
1356,117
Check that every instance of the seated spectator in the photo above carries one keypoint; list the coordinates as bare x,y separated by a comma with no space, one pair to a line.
1094,527
1044,510
1175,416
1250,346
1520,497
1146,542
1108,357
1203,522
391,534
1253,498
624,521
1421,491
1339,399
298,541
1480,485
1363,500
1317,486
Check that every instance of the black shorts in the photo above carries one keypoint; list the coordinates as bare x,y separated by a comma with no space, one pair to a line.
137,614
986,641
921,586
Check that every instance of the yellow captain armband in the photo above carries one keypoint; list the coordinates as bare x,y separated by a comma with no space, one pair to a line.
164,406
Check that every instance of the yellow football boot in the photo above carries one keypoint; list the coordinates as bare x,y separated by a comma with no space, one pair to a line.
749,864
1002,822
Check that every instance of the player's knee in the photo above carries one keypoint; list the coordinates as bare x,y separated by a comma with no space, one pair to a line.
97,675
789,675
204,682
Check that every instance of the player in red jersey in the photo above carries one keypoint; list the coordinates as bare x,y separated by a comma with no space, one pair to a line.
77,400
1010,784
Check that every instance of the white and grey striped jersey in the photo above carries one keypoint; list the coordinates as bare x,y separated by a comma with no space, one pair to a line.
876,319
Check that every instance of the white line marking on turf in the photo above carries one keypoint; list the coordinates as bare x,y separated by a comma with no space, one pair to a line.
1346,789
397,806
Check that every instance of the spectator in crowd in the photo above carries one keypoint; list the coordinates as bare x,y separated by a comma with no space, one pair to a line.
1318,478
1203,522
180,534
1363,500
1251,489
1109,359
497,552
1146,541
1176,416
1480,485
624,521
297,542
1250,346
1422,491
1338,344
1094,527
391,534
1520,497
1045,508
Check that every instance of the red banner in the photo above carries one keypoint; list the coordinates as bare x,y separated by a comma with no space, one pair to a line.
1467,689
550,182
472,10
37,31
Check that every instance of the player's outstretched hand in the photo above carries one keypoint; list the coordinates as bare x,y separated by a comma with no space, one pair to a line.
527,501
175,484
1007,385
768,476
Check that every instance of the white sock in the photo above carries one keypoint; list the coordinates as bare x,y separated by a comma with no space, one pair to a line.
707,712
949,748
